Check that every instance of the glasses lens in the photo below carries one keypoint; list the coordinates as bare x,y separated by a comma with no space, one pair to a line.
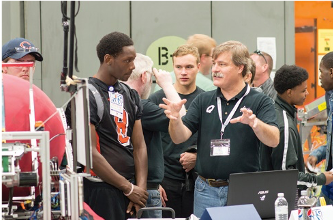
260,54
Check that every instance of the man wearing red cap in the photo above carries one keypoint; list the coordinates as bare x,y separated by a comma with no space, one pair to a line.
16,51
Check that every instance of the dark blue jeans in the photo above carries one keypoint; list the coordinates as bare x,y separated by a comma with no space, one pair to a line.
206,196
154,200
179,199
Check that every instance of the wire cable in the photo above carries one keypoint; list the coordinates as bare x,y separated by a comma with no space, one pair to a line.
63,13
57,111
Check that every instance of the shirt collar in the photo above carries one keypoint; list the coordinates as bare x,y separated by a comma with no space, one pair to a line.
268,83
330,94
330,101
105,87
285,105
238,96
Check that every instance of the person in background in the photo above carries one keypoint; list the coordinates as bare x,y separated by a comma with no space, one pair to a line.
327,99
250,74
154,122
290,82
221,148
19,50
262,79
205,45
179,159
119,178
326,151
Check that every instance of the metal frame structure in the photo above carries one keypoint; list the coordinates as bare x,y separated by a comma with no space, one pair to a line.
31,114
44,154
72,197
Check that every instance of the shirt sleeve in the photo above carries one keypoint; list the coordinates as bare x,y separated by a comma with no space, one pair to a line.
137,101
266,111
94,119
156,97
153,117
192,118
320,153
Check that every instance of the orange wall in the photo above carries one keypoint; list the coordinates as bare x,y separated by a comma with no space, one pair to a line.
306,12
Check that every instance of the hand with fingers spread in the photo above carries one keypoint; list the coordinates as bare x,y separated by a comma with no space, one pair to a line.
267,134
246,118
172,109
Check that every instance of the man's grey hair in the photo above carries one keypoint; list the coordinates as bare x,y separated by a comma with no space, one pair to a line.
142,63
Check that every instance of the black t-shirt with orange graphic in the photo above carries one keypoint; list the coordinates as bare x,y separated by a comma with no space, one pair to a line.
113,133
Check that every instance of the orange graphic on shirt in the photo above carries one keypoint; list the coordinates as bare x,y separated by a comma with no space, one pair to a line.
122,125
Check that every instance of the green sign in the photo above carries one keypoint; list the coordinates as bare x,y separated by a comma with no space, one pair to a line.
161,50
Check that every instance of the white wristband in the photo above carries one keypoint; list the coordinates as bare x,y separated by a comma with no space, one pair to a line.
128,194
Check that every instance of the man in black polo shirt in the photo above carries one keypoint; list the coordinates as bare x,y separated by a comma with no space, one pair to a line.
223,147
154,122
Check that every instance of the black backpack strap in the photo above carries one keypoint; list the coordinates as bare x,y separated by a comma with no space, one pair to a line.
99,101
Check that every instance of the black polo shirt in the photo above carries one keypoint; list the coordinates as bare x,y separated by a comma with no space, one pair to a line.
202,116
171,151
154,121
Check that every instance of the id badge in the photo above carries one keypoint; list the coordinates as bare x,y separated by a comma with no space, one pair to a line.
220,147
116,104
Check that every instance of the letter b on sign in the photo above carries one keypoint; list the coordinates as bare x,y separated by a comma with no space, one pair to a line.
161,50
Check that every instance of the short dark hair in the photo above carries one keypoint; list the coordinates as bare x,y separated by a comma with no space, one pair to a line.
112,44
288,77
328,60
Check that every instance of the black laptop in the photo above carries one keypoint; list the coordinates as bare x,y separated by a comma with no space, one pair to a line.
261,189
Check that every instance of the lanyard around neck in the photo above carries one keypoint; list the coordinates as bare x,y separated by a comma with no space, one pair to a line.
219,107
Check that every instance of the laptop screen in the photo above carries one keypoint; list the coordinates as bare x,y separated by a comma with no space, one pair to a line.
261,189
